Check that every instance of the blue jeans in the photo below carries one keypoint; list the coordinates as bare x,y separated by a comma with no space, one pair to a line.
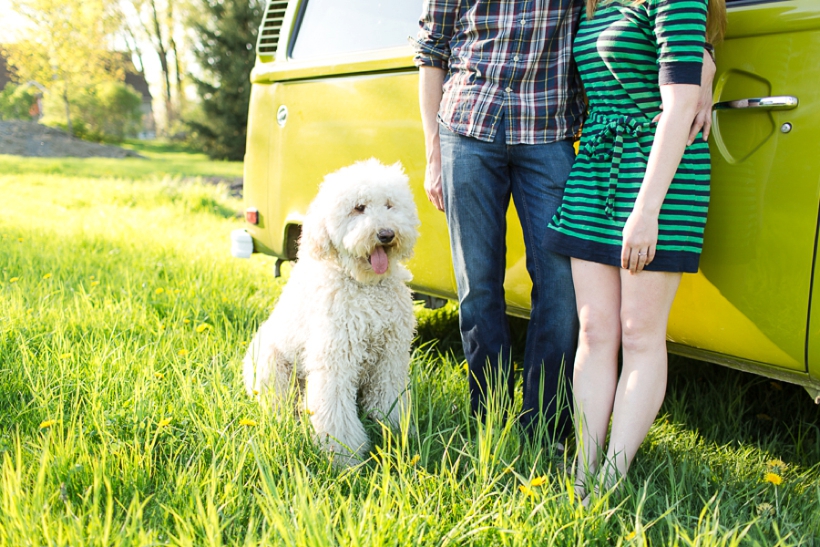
478,179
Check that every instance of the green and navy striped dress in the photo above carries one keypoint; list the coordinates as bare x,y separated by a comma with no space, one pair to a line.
624,54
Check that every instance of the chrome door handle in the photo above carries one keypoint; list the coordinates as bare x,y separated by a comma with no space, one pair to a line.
781,102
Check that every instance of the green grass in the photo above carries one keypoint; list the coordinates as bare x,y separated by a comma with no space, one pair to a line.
123,324
160,160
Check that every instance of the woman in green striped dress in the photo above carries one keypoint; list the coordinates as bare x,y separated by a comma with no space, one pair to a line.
633,212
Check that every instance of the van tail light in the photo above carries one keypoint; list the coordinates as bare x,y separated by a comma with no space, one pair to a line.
252,215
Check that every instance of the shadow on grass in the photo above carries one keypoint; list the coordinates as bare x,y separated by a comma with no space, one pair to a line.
721,405
440,329
729,407
159,147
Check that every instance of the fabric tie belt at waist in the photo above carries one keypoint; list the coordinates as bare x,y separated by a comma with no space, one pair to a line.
608,143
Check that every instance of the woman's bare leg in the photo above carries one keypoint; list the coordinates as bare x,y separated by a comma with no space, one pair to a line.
597,293
646,299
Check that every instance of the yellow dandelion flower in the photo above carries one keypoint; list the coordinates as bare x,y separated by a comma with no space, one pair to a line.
20,239
95,283
526,491
161,326
92,277
777,463
182,352
465,367
538,481
186,321
14,280
65,356
247,423
47,423
164,422
243,343
29,311
415,459
256,392
159,375
309,412
203,327
47,276
773,478
630,536
159,290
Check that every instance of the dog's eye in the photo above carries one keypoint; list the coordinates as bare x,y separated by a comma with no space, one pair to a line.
360,208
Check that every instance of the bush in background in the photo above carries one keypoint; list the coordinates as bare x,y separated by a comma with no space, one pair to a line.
16,102
106,112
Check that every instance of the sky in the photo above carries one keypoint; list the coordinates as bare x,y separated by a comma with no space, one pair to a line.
9,22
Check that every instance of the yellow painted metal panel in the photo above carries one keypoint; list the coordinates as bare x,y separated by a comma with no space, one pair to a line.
751,297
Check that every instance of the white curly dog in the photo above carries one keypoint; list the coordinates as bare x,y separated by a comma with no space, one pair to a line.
344,322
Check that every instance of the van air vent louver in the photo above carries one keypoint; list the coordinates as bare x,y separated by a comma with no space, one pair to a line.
271,26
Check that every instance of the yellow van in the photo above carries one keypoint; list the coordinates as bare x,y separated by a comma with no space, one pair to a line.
334,82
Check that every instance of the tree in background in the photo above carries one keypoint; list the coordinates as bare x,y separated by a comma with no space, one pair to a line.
160,23
226,32
65,48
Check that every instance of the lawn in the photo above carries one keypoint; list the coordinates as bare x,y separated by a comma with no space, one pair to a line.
123,321
159,160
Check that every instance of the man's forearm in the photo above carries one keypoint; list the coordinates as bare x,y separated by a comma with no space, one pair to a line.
431,82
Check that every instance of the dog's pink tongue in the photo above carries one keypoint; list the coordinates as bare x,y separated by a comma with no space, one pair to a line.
379,260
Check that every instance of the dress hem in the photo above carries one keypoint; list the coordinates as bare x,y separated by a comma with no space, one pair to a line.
610,255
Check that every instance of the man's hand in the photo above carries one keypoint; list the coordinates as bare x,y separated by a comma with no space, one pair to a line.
703,119
432,178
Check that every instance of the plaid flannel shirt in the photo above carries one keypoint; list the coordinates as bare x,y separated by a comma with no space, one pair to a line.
509,58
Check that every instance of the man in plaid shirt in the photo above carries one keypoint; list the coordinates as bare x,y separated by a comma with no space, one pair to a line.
501,105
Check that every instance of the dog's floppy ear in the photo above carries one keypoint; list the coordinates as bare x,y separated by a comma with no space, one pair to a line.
315,241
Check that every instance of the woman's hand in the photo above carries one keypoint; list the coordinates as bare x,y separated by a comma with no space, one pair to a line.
640,239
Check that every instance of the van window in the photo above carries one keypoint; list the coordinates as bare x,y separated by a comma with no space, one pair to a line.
333,27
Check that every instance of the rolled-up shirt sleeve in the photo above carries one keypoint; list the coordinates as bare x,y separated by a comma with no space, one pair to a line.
436,25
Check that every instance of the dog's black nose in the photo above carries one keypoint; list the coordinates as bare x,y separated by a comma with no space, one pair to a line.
386,236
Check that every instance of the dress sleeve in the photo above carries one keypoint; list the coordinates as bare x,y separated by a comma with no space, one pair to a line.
679,27
432,44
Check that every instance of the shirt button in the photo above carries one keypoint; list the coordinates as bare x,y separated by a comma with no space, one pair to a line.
515,58
508,90
523,22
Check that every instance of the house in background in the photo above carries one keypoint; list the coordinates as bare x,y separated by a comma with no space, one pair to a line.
35,109
137,81
5,76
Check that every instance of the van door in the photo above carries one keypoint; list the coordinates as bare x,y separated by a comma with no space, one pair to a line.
750,298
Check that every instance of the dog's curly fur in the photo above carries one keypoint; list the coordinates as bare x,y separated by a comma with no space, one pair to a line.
343,328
